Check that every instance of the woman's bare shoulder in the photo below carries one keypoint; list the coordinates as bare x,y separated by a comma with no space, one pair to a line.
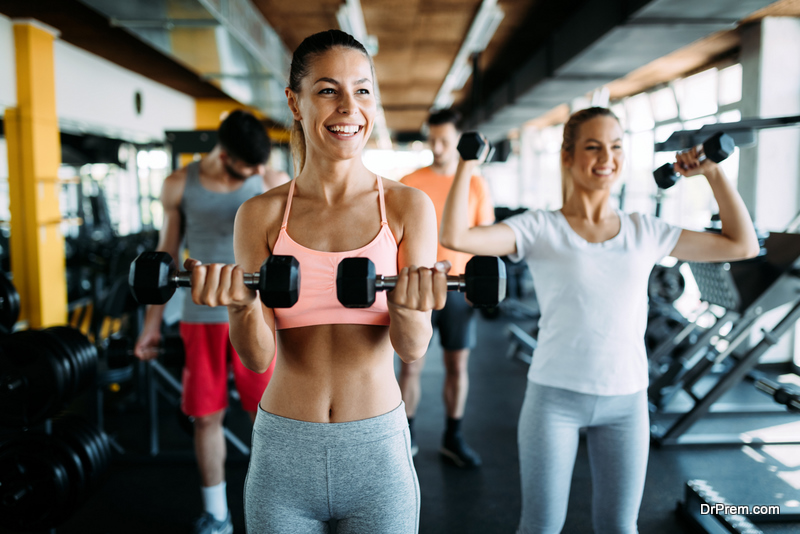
266,208
403,197
407,208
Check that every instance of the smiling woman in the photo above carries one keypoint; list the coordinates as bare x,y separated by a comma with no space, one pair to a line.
331,441
590,265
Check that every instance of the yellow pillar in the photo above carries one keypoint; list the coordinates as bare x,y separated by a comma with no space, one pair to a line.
209,112
34,156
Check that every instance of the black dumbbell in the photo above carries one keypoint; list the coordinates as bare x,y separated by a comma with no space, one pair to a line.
153,279
474,146
119,353
716,148
484,282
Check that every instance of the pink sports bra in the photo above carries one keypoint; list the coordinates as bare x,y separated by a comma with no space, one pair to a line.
317,302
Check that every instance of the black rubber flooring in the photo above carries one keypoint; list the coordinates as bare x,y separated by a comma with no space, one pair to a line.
161,495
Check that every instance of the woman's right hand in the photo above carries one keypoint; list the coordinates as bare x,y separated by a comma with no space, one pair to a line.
218,284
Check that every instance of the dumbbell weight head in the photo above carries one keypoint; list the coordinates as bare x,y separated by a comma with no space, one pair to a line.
149,277
484,282
355,282
717,148
474,146
279,281
485,279
152,279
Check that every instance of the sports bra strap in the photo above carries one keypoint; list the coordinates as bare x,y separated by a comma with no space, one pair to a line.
383,204
291,194
288,205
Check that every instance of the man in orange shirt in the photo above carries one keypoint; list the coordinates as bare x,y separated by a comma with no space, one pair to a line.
455,322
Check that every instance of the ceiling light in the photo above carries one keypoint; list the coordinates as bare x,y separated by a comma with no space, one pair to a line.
351,20
478,37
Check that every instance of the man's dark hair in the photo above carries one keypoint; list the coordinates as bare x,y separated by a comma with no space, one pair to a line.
444,116
244,138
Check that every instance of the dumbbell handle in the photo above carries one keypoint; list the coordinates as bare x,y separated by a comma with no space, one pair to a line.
701,156
780,394
11,383
454,283
184,279
160,351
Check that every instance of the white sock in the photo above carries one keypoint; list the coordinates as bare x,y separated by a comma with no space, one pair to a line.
216,501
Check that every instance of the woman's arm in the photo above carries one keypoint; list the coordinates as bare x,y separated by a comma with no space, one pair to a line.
419,289
456,233
252,326
738,238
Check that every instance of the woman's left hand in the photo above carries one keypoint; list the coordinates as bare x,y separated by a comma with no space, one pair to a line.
689,163
421,288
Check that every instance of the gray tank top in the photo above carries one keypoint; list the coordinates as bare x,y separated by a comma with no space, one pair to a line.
208,218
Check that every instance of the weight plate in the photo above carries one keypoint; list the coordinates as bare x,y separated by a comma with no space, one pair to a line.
9,303
34,484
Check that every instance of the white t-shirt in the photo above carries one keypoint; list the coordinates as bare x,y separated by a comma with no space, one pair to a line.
593,299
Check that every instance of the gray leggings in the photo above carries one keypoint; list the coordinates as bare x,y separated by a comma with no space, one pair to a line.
618,439
303,477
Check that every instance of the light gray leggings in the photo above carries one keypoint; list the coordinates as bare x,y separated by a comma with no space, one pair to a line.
618,439
303,477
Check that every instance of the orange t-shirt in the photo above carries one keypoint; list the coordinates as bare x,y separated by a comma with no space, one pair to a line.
436,186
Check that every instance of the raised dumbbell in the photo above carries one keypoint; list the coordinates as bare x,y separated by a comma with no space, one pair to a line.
153,279
716,148
484,282
474,146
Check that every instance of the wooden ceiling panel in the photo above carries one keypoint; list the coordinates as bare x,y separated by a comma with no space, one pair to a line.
295,20
406,120
417,39
409,94
430,68
393,65
444,26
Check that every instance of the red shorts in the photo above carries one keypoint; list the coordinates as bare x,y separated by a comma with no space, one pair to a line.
209,356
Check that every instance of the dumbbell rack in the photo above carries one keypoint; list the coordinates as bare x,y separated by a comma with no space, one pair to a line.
49,467
746,290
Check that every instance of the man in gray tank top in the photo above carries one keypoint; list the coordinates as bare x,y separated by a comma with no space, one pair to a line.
200,203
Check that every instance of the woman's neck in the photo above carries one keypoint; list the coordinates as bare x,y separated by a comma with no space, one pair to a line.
590,206
332,180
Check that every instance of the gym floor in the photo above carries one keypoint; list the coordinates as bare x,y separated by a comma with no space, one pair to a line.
161,495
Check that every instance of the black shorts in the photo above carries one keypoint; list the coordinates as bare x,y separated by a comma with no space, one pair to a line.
456,323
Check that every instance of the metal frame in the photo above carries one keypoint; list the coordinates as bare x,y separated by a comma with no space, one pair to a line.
674,433
156,371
